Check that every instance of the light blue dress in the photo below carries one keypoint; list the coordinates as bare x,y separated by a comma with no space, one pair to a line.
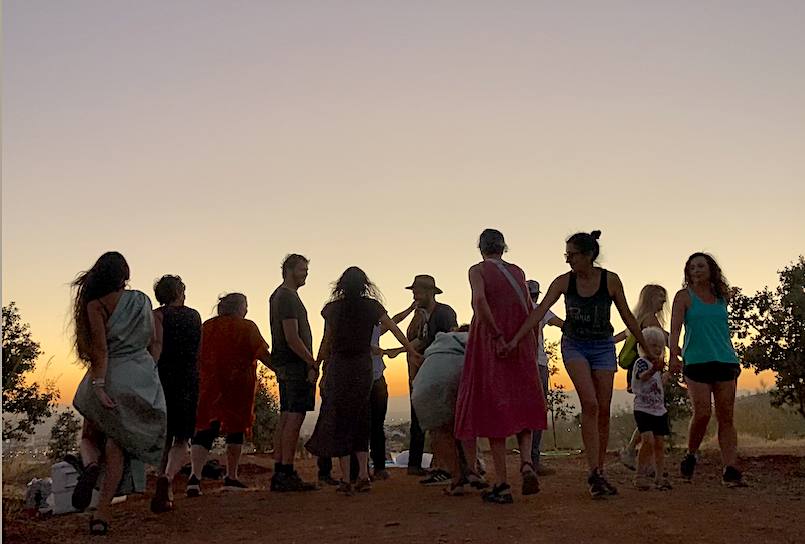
138,423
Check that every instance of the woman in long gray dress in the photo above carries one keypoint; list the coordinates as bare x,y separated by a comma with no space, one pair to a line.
120,396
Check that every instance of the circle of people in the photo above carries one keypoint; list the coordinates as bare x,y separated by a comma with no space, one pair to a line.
160,380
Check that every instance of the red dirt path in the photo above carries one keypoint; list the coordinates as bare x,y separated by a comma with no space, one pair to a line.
402,511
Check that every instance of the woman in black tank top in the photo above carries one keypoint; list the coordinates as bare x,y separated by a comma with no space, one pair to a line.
588,348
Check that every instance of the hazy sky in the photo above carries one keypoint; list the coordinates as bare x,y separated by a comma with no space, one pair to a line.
209,139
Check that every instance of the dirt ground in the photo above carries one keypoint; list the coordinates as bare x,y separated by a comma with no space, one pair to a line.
400,510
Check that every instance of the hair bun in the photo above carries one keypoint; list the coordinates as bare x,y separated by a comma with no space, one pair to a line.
596,234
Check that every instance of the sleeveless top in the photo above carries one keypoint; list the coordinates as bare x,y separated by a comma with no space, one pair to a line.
587,318
707,333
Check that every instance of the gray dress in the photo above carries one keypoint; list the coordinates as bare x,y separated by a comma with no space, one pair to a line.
138,423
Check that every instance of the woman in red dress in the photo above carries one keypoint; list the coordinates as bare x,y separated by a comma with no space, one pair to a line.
499,397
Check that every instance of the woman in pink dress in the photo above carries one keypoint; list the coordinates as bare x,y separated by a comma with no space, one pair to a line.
499,396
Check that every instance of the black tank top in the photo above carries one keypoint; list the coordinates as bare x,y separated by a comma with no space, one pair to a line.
587,318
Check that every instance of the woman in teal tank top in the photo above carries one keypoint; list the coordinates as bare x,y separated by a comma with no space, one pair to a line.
711,367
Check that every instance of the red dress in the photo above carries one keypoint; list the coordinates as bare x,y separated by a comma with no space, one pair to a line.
228,373
500,397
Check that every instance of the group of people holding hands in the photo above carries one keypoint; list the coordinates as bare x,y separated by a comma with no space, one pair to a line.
160,380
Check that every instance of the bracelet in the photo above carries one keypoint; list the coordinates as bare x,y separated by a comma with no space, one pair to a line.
98,382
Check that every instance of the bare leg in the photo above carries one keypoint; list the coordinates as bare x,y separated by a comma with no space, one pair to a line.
581,376
602,380
699,394
363,464
290,436
659,457
470,452
198,456
176,458
278,437
444,445
524,441
233,460
345,473
724,396
90,453
114,471
646,452
498,447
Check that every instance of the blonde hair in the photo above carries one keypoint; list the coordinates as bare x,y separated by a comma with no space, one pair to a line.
652,335
645,304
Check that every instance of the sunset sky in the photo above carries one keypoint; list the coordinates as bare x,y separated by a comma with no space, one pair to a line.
208,139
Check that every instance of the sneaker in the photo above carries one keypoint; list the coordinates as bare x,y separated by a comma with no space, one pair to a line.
233,484
280,483
688,466
596,485
193,488
327,480
663,484
161,501
381,475
628,458
345,488
417,471
500,494
732,477
437,477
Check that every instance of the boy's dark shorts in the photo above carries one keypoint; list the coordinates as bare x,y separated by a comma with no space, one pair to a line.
297,396
649,423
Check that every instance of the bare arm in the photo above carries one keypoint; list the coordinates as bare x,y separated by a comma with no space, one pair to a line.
558,286
398,317
155,347
479,303
680,306
616,290
264,356
621,336
290,328
324,347
556,322
414,356
100,353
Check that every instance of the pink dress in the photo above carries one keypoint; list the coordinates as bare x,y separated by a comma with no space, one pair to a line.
500,397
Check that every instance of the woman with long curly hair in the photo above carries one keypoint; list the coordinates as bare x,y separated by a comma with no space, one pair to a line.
343,425
711,367
120,396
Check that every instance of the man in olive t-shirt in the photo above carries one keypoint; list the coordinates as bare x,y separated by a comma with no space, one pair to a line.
296,369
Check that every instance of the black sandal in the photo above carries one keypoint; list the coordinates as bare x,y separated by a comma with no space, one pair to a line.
82,494
500,494
98,527
530,480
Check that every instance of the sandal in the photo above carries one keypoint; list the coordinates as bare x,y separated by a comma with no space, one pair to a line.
363,486
98,527
499,494
530,480
476,481
82,494
345,488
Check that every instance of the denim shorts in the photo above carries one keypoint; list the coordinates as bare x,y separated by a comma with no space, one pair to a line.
599,354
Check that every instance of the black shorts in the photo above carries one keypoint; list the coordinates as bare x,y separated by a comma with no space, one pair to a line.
649,423
711,373
297,396
206,437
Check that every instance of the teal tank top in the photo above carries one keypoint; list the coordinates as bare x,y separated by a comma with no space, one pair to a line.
707,333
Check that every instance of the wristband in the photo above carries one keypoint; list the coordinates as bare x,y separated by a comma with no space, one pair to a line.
98,382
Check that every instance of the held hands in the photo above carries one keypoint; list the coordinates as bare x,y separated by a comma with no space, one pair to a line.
676,364
392,353
313,375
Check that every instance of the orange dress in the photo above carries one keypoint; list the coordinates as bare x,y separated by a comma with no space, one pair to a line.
228,373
